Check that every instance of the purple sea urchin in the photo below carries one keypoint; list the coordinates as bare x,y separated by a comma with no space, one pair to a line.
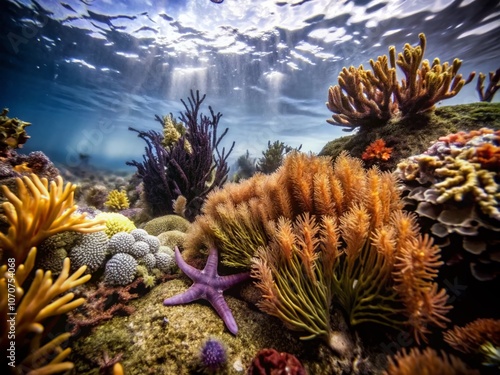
213,355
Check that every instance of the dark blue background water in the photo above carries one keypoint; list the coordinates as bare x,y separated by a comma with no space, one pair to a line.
83,71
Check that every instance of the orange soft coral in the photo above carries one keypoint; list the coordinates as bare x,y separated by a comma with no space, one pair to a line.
472,336
377,150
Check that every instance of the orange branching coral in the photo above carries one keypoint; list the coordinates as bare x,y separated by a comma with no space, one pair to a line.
370,98
35,300
462,137
472,336
377,150
38,211
417,362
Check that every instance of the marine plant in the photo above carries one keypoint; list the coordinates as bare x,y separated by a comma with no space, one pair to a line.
470,338
168,172
365,99
40,210
273,156
12,133
315,234
455,185
427,361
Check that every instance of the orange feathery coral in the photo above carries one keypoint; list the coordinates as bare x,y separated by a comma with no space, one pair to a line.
377,150
472,336
418,362
415,268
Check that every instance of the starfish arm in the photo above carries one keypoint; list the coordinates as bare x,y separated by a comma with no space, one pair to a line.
210,268
190,271
192,294
226,282
216,299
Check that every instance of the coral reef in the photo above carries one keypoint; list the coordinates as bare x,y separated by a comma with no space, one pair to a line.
470,338
493,86
39,211
166,223
368,99
377,150
270,361
90,251
12,133
317,234
412,136
428,361
120,269
115,223
192,172
455,186
37,297
273,156
117,200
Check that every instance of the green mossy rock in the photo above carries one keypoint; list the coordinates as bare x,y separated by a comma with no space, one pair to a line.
149,345
411,136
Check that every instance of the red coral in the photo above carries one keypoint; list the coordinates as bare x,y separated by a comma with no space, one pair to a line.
377,150
488,155
272,362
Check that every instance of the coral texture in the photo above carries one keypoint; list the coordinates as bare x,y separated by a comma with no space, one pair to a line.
120,269
166,223
117,200
37,298
90,251
470,338
115,223
168,172
428,361
317,234
270,361
455,184
377,150
12,133
365,98
38,211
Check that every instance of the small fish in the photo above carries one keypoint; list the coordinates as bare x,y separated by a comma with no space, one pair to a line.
217,1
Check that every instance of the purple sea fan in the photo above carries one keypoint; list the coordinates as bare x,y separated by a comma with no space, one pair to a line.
174,170
213,355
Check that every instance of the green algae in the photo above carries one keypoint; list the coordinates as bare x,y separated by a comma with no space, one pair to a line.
413,135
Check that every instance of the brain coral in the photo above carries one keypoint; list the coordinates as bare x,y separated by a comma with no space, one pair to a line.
455,185
115,223
90,251
166,223
120,269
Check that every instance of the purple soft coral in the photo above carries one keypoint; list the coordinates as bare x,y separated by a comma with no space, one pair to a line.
208,285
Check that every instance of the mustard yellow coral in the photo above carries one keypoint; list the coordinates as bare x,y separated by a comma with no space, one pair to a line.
117,200
40,210
33,303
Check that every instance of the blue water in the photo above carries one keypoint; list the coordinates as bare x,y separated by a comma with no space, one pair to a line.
83,71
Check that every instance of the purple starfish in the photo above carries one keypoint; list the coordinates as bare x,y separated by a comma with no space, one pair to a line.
208,285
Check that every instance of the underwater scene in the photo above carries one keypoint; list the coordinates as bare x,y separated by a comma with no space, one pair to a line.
273,187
